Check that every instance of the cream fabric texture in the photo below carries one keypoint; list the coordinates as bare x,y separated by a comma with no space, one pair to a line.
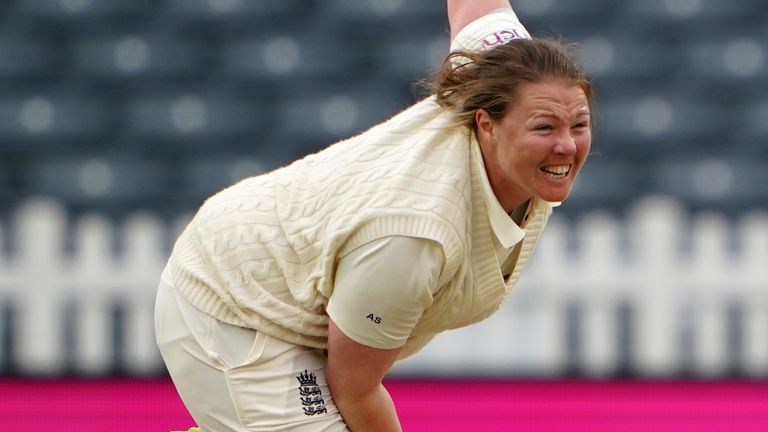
383,287
234,379
262,254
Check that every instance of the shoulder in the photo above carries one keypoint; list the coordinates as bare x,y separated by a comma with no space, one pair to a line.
400,252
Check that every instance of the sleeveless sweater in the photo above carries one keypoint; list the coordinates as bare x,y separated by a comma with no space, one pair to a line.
261,254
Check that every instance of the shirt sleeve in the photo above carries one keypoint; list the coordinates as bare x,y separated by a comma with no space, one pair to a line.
382,288
488,31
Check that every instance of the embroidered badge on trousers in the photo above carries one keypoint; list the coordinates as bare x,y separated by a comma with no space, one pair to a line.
310,395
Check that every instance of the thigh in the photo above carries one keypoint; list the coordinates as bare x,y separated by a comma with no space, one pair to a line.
197,373
285,389
235,379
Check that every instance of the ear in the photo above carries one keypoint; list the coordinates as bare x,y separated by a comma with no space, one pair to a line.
485,125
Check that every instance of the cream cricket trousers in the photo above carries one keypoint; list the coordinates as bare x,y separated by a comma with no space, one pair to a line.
236,379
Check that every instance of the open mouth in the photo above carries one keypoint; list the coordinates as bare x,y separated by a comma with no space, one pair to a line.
556,171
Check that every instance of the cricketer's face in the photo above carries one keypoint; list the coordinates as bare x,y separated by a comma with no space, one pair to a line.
538,147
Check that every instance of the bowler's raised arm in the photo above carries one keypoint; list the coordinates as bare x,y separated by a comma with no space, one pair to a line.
463,12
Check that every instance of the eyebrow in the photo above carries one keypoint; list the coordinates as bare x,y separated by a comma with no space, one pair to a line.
580,113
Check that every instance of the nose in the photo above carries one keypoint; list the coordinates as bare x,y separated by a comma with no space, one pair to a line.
566,144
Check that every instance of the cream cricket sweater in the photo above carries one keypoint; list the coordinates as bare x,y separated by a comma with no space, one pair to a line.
262,253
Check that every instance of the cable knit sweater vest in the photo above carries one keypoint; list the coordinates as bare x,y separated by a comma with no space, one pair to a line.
262,253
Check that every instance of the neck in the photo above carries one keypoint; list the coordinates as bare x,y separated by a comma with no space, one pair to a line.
508,197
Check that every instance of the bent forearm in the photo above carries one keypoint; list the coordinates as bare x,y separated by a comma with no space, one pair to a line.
373,411
354,372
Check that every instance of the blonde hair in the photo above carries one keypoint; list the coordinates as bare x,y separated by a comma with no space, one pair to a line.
491,80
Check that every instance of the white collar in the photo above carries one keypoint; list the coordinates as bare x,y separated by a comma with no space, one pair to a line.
507,232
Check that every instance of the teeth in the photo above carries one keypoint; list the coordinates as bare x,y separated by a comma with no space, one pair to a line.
556,170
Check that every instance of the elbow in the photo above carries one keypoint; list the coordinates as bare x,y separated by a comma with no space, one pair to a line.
345,389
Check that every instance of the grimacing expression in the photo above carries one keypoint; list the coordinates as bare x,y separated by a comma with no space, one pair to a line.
538,147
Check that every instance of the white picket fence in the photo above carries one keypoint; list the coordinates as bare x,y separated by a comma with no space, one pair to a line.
678,274
41,278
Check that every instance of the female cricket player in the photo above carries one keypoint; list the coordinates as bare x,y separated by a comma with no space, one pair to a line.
290,295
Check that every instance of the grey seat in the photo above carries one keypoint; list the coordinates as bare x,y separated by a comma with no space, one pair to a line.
287,53
192,116
47,118
725,183
84,12
25,57
307,121
138,54
604,184
100,182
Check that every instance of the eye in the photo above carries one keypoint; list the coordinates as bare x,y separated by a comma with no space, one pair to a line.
543,127
581,125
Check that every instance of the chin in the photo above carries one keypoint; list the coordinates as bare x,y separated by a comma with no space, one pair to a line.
552,196
554,191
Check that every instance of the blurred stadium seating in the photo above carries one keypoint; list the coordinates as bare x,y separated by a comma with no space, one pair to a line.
166,82
118,106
